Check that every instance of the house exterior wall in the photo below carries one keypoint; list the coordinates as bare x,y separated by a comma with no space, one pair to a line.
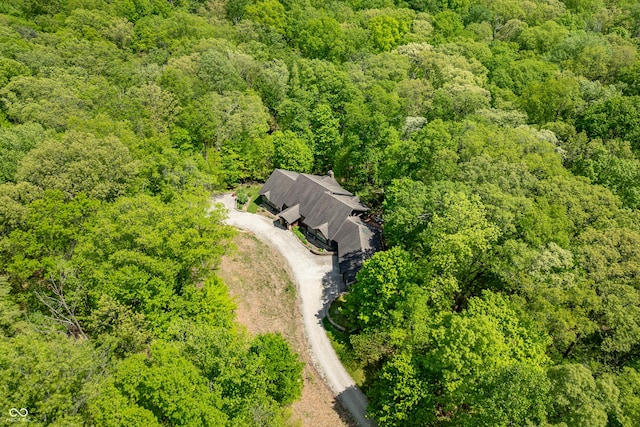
316,238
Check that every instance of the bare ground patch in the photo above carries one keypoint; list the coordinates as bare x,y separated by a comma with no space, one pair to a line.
258,279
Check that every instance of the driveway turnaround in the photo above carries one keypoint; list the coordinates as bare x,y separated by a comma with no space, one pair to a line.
317,279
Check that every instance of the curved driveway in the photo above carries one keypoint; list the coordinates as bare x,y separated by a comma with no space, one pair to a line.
316,280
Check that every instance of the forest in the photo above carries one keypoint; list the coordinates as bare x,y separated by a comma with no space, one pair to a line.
499,141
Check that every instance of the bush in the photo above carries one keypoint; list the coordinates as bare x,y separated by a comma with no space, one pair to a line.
242,197
300,234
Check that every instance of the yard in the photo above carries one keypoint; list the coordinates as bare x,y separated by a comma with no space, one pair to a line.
247,197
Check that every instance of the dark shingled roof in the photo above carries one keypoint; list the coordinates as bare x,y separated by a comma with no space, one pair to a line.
357,242
291,214
325,206
278,186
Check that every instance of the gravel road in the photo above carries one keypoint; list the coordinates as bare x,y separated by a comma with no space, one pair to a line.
316,279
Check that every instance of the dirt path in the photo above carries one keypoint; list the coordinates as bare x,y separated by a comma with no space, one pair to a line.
316,282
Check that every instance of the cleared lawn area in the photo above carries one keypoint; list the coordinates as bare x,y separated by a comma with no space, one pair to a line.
252,193
259,281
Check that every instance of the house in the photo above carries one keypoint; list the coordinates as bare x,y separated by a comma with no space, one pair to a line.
329,216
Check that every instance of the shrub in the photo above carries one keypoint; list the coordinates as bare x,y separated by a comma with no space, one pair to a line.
300,234
242,197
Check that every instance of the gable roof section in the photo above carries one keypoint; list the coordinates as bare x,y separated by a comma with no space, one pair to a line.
357,242
291,214
329,183
320,199
327,210
278,186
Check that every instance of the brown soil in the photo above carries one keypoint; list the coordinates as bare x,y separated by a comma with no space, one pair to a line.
258,279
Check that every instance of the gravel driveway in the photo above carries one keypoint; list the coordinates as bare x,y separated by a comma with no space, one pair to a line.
316,279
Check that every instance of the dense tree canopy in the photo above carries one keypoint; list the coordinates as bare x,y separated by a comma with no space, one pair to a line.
498,140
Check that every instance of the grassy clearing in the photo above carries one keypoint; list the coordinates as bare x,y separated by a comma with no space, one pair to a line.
342,346
249,195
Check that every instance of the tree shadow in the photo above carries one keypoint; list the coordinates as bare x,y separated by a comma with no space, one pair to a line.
352,394
332,287
344,415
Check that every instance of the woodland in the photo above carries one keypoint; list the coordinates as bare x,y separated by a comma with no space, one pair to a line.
498,140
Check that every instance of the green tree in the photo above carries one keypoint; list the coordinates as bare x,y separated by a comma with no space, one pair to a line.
451,373
49,374
576,397
376,300
616,117
326,137
47,101
143,253
512,395
10,322
101,168
446,25
459,239
318,35
49,233
10,68
628,382
216,72
398,394
150,109
269,13
110,407
386,32
15,143
250,375
405,205
282,368
291,152
555,99
168,386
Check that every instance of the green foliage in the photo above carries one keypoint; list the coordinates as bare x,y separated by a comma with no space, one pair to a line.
250,376
373,303
80,163
576,397
282,368
615,117
509,294
386,32
50,229
242,196
9,320
461,356
168,386
15,143
50,374
299,234
143,252
319,35
269,13
399,393
291,152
